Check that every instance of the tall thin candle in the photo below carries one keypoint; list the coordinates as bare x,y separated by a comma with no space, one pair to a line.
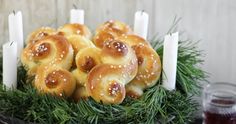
10,65
77,16
170,60
141,24
15,25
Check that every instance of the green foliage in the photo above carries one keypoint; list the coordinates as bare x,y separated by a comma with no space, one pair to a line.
156,105
1,66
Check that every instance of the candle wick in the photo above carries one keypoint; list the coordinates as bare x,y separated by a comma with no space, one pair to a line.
75,6
142,12
14,12
11,43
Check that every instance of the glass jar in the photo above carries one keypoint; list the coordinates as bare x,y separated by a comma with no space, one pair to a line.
219,103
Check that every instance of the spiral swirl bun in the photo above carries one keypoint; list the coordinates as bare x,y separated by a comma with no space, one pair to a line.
51,50
78,43
54,80
76,29
115,52
110,30
149,66
86,59
106,82
39,34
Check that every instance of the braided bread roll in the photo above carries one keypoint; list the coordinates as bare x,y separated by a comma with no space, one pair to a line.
39,34
106,82
77,29
110,30
54,80
51,50
149,66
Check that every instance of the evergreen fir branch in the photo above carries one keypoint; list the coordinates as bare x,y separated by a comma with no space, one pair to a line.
156,104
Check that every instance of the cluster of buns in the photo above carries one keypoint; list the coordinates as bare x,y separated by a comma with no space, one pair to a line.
70,62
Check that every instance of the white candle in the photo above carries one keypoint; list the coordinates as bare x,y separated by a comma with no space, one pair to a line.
10,65
141,24
77,16
170,60
16,30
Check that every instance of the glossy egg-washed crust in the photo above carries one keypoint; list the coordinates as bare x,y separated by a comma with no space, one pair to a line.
75,28
106,82
39,34
51,50
110,30
78,43
86,59
149,65
115,64
54,80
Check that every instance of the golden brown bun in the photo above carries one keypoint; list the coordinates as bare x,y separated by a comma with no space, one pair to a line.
77,29
149,65
51,50
54,80
39,34
110,30
80,93
132,40
78,42
106,82
86,59
115,52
